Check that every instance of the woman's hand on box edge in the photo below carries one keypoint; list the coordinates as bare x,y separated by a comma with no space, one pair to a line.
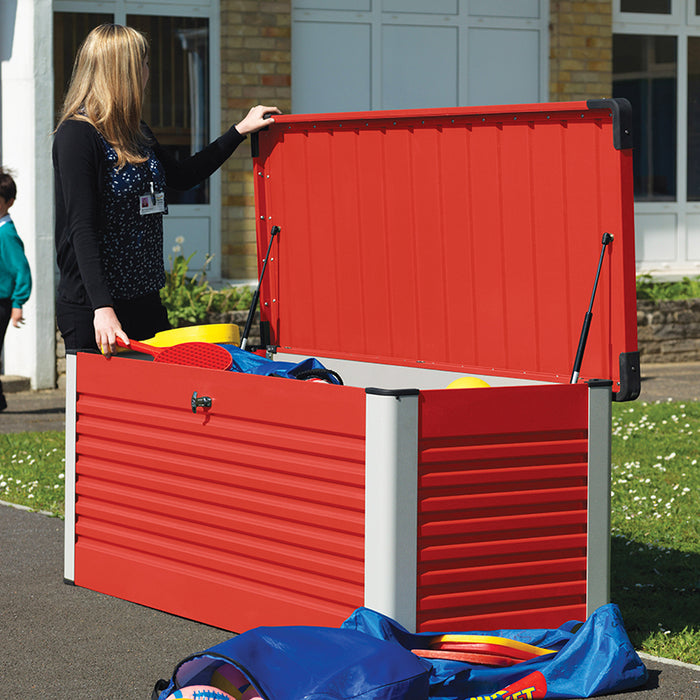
107,328
256,119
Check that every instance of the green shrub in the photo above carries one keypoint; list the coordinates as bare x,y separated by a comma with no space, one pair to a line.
686,288
189,298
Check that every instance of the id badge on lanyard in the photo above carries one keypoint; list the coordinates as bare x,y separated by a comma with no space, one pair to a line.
152,202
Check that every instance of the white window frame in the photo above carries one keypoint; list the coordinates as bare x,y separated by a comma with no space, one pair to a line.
673,18
676,24
180,8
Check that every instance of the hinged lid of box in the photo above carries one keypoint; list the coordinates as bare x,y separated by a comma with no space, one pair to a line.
466,239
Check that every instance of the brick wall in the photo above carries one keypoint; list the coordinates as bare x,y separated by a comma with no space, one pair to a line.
580,50
255,69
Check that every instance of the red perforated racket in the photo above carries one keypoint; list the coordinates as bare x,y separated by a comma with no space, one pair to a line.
196,354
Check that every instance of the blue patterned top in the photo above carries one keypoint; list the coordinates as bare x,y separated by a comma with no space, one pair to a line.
131,244
105,248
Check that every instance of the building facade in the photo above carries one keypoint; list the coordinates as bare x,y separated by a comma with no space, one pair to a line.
213,59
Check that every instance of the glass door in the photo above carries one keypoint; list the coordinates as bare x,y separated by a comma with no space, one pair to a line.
69,30
176,105
645,73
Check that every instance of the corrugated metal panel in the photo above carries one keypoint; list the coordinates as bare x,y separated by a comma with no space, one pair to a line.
465,238
502,508
250,513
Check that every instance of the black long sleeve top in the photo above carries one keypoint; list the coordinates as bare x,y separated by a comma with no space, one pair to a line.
105,249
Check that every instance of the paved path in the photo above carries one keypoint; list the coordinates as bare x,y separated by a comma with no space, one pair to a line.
679,381
67,643
62,642
34,411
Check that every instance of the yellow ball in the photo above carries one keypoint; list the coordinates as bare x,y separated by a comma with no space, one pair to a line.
467,383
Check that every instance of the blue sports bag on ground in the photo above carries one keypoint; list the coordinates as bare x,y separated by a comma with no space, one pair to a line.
593,658
369,658
323,663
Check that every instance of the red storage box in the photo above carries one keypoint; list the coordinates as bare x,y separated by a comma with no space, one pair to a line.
415,248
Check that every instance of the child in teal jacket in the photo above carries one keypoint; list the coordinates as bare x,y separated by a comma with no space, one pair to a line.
15,276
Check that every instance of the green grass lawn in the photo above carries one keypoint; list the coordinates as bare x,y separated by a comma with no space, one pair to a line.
655,516
656,526
31,470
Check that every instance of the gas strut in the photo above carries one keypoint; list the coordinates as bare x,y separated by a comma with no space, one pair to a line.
254,303
607,238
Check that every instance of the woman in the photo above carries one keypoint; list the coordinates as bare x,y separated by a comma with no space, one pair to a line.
110,174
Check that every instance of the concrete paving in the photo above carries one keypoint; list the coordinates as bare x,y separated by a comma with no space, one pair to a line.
33,411
63,642
677,381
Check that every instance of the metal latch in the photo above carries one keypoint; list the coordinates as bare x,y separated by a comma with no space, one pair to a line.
200,402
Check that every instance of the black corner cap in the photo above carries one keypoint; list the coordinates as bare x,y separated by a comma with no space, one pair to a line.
622,119
630,377
391,392
599,382
68,582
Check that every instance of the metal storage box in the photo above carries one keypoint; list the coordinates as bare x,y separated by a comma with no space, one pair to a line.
415,247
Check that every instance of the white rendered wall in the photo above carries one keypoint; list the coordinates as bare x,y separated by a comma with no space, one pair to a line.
26,93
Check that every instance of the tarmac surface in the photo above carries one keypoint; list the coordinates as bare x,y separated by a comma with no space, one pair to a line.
62,642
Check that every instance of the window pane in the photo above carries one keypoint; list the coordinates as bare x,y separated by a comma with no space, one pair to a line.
69,30
694,119
645,72
657,7
176,105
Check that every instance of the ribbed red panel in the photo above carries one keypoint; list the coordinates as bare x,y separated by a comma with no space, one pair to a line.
458,239
250,513
502,507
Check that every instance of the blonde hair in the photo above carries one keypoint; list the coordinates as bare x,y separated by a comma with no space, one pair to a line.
106,88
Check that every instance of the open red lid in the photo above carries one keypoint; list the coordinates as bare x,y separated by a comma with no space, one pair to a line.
464,239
